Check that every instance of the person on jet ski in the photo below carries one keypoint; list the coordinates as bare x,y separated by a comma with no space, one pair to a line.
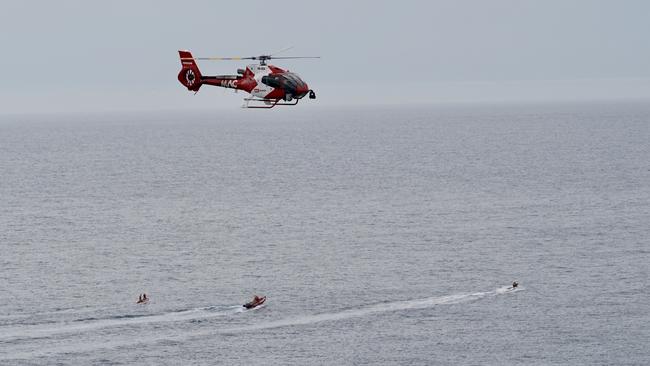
515,284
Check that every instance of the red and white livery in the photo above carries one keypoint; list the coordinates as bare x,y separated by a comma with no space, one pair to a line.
268,85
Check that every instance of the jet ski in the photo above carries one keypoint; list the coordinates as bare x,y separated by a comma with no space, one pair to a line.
255,303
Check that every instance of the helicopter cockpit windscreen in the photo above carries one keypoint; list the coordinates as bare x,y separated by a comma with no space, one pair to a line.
294,80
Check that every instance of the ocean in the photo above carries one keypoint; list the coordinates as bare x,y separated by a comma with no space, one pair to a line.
380,236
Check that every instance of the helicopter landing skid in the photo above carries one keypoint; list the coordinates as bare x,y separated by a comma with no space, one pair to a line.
267,103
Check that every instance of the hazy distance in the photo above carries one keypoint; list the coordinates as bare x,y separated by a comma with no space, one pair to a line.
121,55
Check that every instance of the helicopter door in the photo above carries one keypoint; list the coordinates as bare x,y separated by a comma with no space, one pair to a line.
261,90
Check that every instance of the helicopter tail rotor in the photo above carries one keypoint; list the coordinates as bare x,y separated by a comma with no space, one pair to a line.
189,76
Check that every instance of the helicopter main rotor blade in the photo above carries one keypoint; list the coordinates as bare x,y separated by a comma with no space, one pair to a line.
282,50
219,58
289,57
261,57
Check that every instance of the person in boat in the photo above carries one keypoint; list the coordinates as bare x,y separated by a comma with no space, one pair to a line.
256,299
142,298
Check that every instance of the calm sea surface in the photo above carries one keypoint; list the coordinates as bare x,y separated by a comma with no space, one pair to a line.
380,236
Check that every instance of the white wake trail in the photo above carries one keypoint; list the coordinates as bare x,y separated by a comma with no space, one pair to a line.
201,313
367,310
47,330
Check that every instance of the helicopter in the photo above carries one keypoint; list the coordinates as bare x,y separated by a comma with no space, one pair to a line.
268,85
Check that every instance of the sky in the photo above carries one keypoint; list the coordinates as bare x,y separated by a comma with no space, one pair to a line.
79,55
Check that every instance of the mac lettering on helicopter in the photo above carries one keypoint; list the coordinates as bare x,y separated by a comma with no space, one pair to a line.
268,85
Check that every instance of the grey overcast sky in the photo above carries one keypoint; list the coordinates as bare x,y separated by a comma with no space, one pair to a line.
121,55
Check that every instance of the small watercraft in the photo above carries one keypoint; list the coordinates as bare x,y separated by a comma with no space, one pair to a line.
257,301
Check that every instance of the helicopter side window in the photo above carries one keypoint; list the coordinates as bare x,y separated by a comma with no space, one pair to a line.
271,81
